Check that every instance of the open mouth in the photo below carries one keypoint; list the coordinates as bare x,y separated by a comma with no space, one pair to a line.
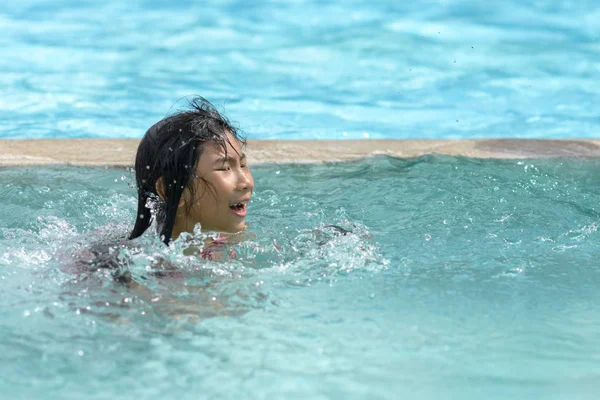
239,209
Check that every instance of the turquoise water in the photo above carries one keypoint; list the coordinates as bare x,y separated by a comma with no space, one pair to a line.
461,279
303,69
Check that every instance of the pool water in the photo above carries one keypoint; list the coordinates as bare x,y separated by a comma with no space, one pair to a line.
303,69
460,278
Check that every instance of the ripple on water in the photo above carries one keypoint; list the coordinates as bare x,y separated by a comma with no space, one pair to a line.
443,268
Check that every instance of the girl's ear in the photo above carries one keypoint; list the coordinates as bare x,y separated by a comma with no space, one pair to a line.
185,197
160,188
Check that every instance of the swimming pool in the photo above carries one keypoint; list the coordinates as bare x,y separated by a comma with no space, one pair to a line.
462,278
303,69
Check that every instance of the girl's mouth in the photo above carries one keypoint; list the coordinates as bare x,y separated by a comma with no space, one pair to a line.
239,209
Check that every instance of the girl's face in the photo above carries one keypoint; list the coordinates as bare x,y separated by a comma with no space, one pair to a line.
222,206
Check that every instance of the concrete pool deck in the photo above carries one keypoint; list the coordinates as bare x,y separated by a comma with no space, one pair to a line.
121,152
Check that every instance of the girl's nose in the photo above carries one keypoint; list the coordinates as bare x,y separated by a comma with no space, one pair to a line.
245,181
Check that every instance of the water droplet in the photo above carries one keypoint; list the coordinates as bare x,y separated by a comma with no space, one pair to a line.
365,134
123,177
345,133
277,172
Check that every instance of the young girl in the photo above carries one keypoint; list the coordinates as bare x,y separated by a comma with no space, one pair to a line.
190,168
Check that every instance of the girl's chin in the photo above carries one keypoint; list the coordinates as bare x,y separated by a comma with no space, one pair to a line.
239,228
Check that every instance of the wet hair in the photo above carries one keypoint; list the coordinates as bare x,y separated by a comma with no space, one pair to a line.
170,150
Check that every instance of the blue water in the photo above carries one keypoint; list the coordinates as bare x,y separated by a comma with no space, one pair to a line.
461,279
303,69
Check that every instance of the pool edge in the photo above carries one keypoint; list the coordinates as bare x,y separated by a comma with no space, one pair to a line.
121,152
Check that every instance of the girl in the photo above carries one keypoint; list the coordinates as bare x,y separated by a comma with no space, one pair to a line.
190,168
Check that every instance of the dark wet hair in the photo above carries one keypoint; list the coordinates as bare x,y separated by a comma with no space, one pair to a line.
171,149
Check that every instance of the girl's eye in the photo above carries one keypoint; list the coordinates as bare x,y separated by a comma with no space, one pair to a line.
244,166
223,169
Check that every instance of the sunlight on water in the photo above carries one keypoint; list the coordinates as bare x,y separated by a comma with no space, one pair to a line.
304,69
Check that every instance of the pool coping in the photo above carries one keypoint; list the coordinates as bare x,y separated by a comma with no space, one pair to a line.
121,152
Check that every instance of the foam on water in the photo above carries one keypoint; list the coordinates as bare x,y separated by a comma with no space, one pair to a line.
468,277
